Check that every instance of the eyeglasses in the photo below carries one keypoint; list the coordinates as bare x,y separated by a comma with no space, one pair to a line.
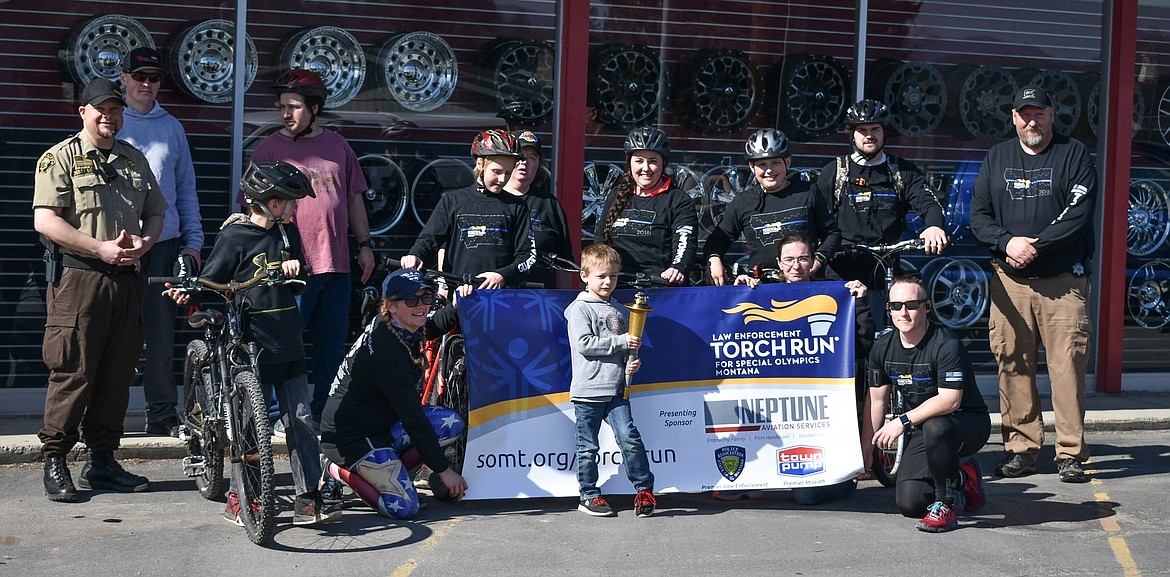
144,77
425,298
788,261
910,305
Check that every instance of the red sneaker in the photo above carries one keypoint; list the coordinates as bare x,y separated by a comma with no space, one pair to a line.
232,511
939,518
974,494
644,503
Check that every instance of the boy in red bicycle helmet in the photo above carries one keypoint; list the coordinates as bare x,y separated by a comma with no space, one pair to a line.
485,233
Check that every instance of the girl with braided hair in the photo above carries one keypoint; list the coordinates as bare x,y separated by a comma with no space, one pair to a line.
646,219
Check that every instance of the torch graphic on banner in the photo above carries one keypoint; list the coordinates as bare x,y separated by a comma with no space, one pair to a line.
638,311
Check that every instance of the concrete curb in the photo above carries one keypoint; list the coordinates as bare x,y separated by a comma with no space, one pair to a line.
16,449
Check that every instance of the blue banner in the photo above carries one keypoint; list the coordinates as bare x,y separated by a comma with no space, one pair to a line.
756,384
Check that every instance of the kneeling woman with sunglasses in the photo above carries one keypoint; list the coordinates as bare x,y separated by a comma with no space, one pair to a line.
374,432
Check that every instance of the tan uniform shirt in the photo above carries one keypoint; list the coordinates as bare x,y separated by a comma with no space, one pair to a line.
100,196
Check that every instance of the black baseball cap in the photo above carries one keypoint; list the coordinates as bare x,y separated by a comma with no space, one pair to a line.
1031,96
142,59
99,90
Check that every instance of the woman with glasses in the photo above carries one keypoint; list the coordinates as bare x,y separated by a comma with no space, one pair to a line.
796,260
374,432
774,205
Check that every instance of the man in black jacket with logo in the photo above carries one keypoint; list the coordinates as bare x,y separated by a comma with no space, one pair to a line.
1033,208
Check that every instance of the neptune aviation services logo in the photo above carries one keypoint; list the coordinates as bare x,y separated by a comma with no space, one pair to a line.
730,460
819,310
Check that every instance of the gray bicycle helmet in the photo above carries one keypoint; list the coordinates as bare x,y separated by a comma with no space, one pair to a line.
767,143
274,179
867,111
647,138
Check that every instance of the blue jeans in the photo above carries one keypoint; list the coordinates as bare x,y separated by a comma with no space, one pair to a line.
324,309
616,412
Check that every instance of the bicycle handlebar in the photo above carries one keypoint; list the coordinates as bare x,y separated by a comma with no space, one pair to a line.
455,278
640,279
233,286
908,244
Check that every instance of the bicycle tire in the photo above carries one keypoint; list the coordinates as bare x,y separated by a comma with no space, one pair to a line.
252,457
203,439
883,462
453,368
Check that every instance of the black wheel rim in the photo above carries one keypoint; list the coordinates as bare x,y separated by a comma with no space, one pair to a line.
917,96
523,79
625,78
386,198
984,102
718,91
814,93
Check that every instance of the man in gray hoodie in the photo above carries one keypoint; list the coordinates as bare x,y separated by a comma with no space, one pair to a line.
162,140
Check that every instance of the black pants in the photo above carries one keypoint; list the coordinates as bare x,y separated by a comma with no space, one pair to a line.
929,470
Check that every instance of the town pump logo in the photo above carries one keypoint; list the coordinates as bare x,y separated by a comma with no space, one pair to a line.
800,461
820,310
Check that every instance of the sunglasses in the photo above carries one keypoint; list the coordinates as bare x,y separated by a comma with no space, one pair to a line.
144,77
426,299
910,305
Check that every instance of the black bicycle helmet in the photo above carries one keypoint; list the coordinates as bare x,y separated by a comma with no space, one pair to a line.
647,138
274,179
867,111
495,143
767,143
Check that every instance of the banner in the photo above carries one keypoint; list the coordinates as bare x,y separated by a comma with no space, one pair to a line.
739,389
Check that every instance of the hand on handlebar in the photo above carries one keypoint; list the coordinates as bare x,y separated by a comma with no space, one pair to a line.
934,240
410,261
291,268
750,281
491,280
673,276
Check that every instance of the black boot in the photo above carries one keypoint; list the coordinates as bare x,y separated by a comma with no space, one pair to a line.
103,472
58,482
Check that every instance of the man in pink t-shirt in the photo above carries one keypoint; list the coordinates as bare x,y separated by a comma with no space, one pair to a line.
325,222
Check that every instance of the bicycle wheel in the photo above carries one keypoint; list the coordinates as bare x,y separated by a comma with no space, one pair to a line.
883,463
252,457
453,367
204,461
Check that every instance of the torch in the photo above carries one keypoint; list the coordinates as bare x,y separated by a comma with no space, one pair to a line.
638,311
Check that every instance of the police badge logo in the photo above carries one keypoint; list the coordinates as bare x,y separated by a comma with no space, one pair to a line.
730,460
46,162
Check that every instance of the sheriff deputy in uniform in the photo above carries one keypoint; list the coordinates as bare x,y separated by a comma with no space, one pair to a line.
100,209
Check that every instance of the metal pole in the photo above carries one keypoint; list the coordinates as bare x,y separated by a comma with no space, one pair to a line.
240,53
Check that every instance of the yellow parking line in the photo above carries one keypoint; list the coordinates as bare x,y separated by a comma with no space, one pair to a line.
1108,520
407,568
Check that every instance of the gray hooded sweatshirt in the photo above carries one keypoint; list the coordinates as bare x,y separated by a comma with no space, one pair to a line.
597,330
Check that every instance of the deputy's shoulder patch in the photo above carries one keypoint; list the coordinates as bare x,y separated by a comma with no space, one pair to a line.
46,162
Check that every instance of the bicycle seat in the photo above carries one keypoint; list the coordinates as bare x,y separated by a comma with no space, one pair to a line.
200,319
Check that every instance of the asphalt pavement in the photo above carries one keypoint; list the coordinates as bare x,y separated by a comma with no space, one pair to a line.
1036,525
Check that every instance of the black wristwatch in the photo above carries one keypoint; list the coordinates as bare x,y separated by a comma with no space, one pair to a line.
369,242
906,424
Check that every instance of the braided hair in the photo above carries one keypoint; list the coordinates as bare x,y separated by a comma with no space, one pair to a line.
623,194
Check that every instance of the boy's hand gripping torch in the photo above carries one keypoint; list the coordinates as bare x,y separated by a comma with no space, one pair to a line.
638,311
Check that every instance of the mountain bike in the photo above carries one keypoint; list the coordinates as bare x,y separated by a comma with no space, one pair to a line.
886,461
225,410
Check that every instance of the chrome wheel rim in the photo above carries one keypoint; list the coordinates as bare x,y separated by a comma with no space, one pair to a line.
95,48
202,59
334,55
417,70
